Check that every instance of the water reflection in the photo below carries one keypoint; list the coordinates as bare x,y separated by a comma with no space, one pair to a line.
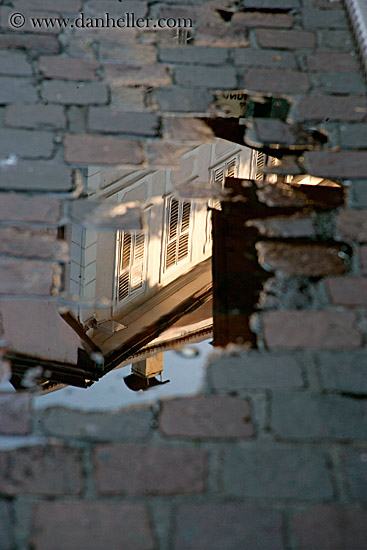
129,294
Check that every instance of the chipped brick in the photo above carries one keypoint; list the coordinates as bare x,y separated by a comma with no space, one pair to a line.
261,19
27,277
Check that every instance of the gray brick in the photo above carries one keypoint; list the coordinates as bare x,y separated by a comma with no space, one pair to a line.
277,81
329,528
315,416
330,107
277,471
285,39
229,525
14,63
202,76
205,55
343,371
37,176
125,425
338,83
78,93
336,62
342,38
183,100
32,243
104,119
354,463
37,43
273,4
255,371
6,542
26,143
14,90
264,58
98,149
34,116
341,164
324,19
358,193
353,136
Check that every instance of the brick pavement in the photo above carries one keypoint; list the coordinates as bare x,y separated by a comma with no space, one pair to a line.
273,453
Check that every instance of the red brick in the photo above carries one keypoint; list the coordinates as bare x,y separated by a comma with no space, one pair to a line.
47,471
94,149
226,526
285,40
206,417
39,209
311,329
301,259
347,291
363,259
130,469
15,413
131,75
35,116
261,19
325,527
332,62
352,224
68,69
91,525
323,107
38,43
104,119
28,277
341,164
277,81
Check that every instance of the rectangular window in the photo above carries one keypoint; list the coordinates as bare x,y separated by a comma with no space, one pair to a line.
130,263
177,231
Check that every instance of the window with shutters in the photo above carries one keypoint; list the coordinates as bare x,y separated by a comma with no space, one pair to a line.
177,232
227,169
130,264
260,161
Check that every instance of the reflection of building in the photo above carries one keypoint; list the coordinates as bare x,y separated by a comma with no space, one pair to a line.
158,279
